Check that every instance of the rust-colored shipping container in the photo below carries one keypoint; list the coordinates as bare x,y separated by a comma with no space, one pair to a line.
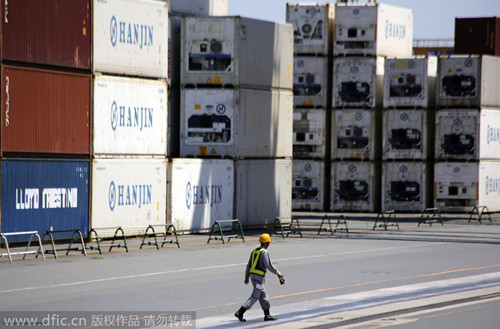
47,32
45,112
478,35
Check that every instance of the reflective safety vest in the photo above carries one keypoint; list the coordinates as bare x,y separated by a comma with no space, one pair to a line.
255,267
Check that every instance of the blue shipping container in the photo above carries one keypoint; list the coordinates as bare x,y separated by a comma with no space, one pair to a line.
41,195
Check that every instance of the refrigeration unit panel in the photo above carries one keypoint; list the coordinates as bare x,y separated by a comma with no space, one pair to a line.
310,83
404,186
307,185
309,128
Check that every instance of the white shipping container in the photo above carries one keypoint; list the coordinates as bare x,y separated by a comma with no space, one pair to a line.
404,186
236,52
355,186
310,82
130,193
456,186
130,37
199,193
313,27
236,123
373,29
263,190
358,82
469,81
308,180
309,128
203,8
489,185
410,82
130,116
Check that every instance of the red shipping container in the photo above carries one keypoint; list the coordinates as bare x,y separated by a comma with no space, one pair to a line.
48,32
479,35
45,112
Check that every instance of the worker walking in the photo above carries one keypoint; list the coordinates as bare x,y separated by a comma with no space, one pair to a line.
257,266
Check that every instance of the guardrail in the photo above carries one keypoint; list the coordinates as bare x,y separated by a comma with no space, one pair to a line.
285,226
70,247
233,234
3,237
480,211
111,245
155,235
426,218
388,219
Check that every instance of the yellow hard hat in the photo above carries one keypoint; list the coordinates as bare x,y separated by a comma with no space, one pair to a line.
265,238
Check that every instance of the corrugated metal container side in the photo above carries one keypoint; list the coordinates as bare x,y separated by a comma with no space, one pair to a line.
310,82
358,82
469,81
131,37
130,116
405,186
203,8
51,32
309,130
313,27
407,134
355,186
377,29
130,193
489,185
410,82
199,193
456,186
308,185
43,195
477,35
236,52
236,123
356,134
263,191
45,112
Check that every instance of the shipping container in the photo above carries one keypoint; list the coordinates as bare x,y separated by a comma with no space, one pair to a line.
236,52
309,130
174,52
130,192
50,32
373,29
45,112
356,134
408,134
310,82
406,186
308,184
200,192
174,119
236,123
263,191
477,35
456,186
130,116
410,82
44,195
355,186
468,81
202,8
131,37
358,82
313,27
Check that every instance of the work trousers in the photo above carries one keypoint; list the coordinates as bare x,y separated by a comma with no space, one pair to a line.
259,293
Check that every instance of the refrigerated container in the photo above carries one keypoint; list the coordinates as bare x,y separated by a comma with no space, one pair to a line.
358,82
313,27
355,186
131,37
236,123
203,8
128,192
45,112
468,81
236,52
309,129
310,82
130,116
44,195
410,82
308,184
200,192
263,191
373,29
477,35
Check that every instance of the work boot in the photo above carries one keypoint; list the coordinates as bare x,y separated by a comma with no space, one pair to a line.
268,316
240,313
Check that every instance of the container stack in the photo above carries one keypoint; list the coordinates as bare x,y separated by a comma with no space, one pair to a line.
313,26
364,35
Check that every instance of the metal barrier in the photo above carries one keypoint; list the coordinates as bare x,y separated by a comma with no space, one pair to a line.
427,219
235,227
285,225
70,246
388,218
341,220
281,226
155,235
3,236
112,244
480,211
